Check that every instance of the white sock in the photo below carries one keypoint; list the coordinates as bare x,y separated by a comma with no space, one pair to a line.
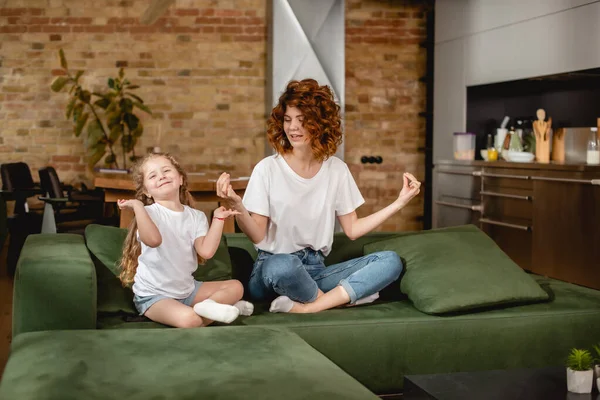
246,308
281,304
217,312
367,300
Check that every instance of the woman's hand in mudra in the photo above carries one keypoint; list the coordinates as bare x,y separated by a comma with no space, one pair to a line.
226,192
410,188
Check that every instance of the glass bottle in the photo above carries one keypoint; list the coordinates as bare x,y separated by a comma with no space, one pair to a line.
515,141
492,153
593,152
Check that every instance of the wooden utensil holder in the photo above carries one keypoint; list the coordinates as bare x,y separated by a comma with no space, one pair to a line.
542,151
558,145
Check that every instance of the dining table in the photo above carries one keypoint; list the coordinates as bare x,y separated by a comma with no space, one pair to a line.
202,187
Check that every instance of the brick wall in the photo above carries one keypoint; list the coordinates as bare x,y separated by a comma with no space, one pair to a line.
384,62
201,69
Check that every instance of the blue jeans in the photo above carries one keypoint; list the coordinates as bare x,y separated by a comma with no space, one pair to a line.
299,275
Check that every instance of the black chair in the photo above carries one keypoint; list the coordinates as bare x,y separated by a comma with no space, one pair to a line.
18,186
70,211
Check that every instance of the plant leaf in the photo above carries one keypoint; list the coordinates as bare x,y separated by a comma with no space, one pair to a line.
115,133
138,98
70,107
95,133
95,154
127,143
102,103
142,107
77,110
114,106
126,105
77,76
59,83
113,119
85,96
104,96
121,73
63,60
132,121
81,120
111,83
137,132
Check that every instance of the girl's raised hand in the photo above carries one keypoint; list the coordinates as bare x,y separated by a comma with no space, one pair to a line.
222,213
129,203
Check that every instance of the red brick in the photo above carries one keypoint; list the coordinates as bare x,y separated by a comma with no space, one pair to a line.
56,29
187,12
248,38
122,21
208,20
229,29
228,13
250,21
255,30
9,12
58,158
13,29
207,12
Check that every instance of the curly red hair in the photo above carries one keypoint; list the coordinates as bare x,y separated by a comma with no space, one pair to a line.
322,118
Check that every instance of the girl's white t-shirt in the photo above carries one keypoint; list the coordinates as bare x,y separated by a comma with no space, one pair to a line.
301,211
167,269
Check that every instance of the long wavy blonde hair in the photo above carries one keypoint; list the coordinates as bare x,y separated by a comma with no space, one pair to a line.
132,248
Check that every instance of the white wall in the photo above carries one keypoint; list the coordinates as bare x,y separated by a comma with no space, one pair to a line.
487,41
458,18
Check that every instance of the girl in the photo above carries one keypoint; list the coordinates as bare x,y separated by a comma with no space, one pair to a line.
159,255
291,203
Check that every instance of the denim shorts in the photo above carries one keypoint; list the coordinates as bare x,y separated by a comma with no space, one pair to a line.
143,303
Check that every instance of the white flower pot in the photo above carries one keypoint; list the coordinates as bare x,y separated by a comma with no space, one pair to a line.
580,381
597,375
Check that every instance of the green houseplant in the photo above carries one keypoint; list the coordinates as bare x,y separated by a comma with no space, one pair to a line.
108,117
579,371
597,365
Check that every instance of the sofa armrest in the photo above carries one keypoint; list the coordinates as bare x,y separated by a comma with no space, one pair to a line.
55,285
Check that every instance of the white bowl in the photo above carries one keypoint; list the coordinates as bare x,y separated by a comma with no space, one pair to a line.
484,154
520,156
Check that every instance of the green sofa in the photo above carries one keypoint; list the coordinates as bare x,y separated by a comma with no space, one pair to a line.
72,322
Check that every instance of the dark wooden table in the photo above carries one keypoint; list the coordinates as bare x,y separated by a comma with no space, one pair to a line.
514,384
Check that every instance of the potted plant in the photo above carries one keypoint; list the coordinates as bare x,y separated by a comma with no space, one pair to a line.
579,371
597,365
108,117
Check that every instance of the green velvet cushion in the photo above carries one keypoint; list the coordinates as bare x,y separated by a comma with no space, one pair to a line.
55,285
142,364
458,269
106,243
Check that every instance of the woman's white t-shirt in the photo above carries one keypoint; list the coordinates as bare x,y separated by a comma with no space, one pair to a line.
167,269
301,211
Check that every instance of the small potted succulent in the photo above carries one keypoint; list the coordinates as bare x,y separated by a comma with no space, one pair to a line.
580,374
597,365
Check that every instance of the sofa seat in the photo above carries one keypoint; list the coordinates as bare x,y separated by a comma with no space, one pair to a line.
226,363
378,344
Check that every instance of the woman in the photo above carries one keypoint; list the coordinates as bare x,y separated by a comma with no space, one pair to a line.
291,203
